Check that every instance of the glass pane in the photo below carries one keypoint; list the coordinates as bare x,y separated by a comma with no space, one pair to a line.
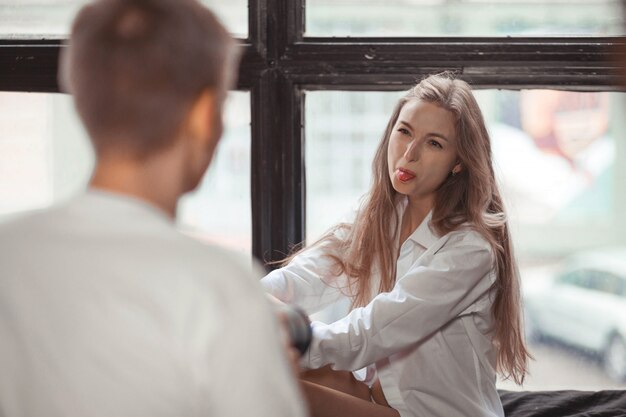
463,18
560,158
45,158
220,209
52,19
232,13
44,154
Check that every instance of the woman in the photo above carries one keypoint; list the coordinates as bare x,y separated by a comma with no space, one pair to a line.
429,267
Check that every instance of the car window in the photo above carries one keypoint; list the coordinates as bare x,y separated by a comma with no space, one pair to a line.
577,278
606,282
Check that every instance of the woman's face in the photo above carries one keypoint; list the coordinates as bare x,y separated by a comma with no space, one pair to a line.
422,149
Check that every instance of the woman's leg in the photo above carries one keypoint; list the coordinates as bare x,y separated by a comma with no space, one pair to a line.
339,394
327,402
343,381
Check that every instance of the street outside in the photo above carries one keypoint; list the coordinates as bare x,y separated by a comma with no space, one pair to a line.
559,367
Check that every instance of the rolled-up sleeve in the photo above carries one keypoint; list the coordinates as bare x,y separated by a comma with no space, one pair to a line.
439,286
309,281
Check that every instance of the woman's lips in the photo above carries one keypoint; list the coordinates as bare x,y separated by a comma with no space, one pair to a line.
404,175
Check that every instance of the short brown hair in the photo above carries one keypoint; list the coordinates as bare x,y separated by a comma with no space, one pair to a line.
135,67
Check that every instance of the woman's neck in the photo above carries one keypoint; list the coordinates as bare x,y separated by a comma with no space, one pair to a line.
414,214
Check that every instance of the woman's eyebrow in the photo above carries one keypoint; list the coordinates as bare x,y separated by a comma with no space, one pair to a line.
439,135
406,124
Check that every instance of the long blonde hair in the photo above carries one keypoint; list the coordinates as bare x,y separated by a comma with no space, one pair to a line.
471,196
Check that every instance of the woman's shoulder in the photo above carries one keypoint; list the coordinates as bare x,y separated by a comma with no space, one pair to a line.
465,246
468,235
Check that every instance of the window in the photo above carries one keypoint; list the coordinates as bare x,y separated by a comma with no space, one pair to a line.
463,18
218,210
46,158
44,155
606,283
49,19
575,278
556,154
354,60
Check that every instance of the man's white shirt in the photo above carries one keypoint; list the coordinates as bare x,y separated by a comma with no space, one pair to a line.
107,310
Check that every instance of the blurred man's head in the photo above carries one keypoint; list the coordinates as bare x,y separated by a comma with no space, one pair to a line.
145,73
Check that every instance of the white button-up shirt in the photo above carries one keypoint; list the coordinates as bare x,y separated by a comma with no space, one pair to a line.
428,340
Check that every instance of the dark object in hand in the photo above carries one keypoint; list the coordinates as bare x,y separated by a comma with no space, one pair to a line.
298,327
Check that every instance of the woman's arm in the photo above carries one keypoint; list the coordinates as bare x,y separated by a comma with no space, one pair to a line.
310,280
439,287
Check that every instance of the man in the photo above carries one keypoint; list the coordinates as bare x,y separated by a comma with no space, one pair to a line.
105,309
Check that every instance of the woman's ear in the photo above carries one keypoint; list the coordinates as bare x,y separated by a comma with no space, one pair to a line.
457,168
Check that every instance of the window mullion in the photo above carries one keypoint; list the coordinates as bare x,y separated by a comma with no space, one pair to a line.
277,160
277,167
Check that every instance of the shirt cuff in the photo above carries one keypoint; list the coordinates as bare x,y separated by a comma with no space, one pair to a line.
312,359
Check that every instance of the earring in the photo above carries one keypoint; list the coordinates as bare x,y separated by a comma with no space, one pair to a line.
453,173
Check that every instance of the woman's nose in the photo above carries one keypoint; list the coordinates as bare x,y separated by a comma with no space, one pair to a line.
412,151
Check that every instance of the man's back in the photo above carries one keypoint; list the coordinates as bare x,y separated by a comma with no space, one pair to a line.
106,310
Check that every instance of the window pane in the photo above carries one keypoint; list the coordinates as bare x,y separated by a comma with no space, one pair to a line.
45,158
232,13
44,154
463,17
220,209
560,159
53,18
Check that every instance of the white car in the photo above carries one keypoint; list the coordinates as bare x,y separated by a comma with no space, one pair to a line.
584,305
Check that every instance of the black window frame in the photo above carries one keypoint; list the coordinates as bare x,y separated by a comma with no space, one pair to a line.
279,64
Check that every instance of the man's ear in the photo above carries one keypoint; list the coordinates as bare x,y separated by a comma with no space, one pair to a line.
201,133
201,118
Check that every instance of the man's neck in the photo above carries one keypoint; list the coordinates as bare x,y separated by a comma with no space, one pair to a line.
153,180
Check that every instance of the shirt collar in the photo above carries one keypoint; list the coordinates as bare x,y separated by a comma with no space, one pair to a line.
114,202
424,235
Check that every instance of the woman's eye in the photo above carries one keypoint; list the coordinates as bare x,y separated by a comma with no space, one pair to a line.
404,131
436,144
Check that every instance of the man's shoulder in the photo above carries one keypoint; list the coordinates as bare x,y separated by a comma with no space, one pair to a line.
26,222
210,267
128,236
205,253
